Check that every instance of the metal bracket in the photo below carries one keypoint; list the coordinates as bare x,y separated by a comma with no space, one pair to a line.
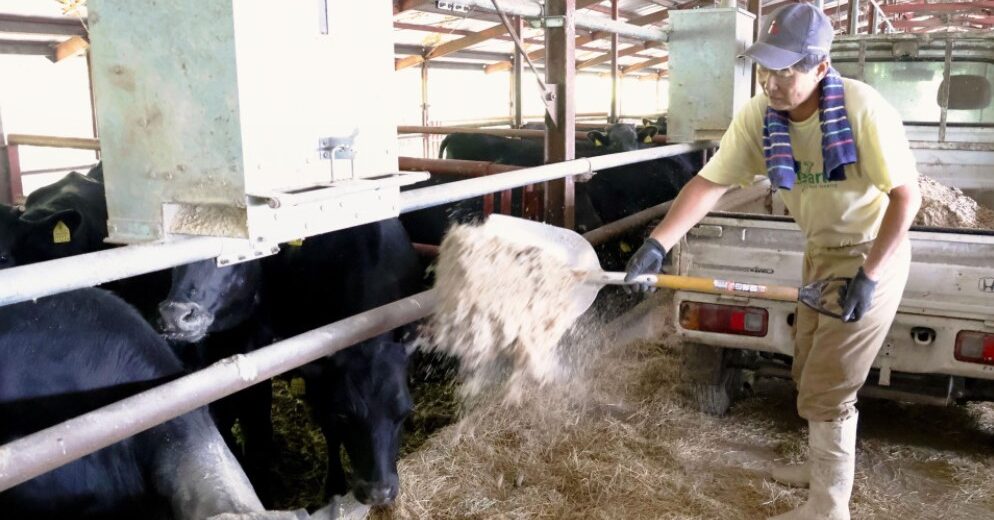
238,251
338,150
451,5
547,22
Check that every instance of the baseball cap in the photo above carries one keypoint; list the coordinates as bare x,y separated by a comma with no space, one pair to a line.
793,32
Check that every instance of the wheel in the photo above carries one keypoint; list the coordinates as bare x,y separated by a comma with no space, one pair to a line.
710,378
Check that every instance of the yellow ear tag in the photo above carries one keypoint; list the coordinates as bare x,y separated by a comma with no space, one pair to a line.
296,243
647,140
597,142
298,387
625,248
60,233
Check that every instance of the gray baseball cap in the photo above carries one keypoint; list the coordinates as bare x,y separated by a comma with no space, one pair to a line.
791,33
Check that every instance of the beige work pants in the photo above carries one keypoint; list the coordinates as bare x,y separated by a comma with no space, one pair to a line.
832,358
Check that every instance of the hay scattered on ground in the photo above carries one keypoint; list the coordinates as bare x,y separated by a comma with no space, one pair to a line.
943,206
622,442
301,460
500,311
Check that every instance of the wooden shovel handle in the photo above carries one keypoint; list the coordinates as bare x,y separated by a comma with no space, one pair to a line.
715,286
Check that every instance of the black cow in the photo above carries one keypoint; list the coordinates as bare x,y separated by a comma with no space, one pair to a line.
659,123
359,395
429,225
65,218
69,217
618,192
67,354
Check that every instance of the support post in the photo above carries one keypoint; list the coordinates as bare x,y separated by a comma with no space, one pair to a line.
756,8
516,70
426,142
853,17
871,19
15,188
560,127
615,91
5,177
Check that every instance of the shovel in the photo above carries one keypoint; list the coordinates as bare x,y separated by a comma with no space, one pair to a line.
572,249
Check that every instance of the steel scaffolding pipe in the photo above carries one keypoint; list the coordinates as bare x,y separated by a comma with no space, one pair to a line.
588,22
43,451
608,232
504,132
54,276
33,281
455,167
444,193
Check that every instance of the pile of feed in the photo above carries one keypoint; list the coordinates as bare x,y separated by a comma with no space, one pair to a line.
943,206
619,440
500,311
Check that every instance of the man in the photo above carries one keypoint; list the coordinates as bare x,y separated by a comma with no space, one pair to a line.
836,152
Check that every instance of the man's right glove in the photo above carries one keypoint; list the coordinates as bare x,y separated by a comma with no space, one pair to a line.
647,260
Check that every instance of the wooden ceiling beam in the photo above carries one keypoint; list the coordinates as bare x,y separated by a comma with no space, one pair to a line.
628,51
74,46
468,41
938,7
539,54
644,64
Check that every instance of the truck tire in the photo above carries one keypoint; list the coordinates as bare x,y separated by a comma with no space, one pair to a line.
709,378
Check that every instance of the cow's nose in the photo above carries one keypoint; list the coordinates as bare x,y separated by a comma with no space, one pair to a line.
376,495
181,315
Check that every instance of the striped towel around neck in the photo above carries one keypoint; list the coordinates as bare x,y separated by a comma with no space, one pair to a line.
837,146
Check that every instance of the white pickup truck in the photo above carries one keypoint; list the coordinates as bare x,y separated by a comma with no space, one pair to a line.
941,347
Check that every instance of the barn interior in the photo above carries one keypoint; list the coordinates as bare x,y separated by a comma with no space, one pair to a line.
252,137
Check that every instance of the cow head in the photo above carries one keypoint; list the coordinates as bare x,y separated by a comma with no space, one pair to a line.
369,401
622,138
9,232
205,298
45,235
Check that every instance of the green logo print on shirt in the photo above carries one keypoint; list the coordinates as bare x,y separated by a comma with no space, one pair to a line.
809,179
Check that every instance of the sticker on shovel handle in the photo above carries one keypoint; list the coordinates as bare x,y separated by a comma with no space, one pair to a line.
729,285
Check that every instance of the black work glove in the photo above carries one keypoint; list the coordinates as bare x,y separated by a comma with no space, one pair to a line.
857,295
647,260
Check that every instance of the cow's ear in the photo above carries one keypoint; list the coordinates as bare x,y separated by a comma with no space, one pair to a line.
597,137
646,134
59,225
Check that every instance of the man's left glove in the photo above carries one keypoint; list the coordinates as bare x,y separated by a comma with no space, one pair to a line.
857,295
647,260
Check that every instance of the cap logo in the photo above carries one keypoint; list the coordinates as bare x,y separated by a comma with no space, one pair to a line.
774,28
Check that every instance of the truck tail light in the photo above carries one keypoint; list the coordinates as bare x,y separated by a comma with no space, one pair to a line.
726,319
975,347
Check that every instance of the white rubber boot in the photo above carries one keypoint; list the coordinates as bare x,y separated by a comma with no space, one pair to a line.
794,475
832,452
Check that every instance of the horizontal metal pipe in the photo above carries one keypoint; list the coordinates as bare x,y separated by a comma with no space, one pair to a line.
610,231
427,250
582,21
450,192
33,281
81,167
46,278
504,132
35,454
454,167
84,143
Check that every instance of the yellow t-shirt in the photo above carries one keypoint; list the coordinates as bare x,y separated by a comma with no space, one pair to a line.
831,213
